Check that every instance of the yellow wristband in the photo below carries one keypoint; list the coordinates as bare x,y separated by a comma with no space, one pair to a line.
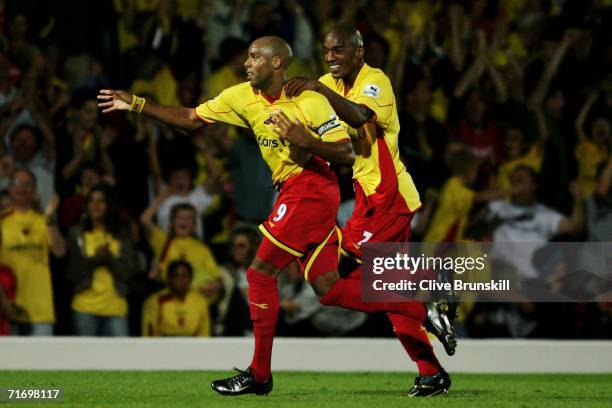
140,104
137,104
134,99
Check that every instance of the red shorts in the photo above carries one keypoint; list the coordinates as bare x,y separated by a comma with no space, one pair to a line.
304,217
373,225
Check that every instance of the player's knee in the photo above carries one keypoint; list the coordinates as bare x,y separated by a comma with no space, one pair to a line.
322,285
264,267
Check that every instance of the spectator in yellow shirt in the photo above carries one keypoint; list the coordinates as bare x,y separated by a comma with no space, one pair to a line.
176,310
26,238
181,244
457,198
102,264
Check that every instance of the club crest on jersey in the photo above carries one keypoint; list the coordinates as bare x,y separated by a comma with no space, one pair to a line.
330,124
372,91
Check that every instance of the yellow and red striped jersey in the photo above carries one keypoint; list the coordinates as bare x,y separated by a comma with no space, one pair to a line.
378,168
245,106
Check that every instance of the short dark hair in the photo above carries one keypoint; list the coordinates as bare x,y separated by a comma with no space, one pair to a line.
248,230
179,207
461,161
251,232
174,265
34,130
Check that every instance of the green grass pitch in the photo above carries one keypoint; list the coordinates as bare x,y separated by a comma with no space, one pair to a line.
300,389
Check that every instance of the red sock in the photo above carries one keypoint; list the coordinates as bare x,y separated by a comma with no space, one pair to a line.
416,343
263,304
346,293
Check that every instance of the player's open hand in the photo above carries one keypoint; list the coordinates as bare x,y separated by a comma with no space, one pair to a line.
293,131
112,100
297,85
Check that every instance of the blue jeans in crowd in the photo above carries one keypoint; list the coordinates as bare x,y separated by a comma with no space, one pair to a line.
86,324
31,329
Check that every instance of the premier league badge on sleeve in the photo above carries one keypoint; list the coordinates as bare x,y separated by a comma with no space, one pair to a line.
372,91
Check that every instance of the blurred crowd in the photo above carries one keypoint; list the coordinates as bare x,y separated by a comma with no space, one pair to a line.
118,225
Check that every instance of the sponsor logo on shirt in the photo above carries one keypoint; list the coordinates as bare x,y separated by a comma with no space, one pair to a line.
271,143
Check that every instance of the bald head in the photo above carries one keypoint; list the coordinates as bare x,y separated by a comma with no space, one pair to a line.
267,62
348,35
272,46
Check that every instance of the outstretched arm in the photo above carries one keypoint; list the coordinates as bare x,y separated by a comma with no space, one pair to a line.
457,51
146,218
538,95
584,113
178,116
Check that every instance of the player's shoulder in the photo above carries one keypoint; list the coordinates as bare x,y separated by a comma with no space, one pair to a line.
311,102
311,97
375,74
235,96
315,107
374,83
243,89
327,80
